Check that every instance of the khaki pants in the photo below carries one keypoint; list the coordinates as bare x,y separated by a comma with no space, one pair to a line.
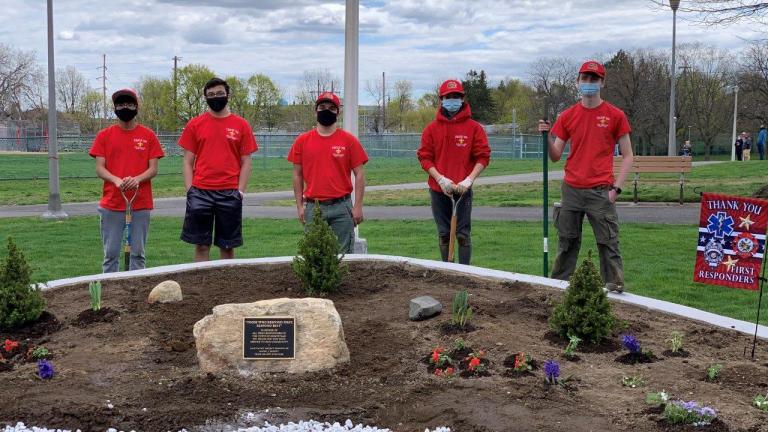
746,154
569,218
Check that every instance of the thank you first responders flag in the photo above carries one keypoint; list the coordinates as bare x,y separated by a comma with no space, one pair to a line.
731,241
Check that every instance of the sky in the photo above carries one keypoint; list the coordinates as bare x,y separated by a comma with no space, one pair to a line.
423,41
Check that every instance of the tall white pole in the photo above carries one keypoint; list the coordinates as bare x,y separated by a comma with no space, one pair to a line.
672,149
54,197
735,116
351,84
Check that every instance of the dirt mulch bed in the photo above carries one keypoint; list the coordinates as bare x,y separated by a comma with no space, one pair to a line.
144,362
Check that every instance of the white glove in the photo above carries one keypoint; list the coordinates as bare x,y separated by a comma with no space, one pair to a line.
464,185
446,185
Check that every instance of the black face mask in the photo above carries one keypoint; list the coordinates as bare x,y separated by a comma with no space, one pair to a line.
217,103
326,117
126,114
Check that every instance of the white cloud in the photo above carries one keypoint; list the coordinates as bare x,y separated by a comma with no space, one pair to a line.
67,35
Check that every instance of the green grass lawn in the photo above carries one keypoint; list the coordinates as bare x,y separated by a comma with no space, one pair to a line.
269,174
736,178
658,259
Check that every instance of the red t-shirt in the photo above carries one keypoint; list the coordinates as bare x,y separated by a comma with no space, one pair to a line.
218,143
126,153
594,133
327,162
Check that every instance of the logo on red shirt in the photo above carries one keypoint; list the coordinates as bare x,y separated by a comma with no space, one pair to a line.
233,134
338,150
140,144
602,121
461,140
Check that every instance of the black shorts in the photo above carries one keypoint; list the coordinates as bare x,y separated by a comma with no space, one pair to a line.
213,215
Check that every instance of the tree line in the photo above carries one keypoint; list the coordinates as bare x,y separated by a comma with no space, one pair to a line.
638,82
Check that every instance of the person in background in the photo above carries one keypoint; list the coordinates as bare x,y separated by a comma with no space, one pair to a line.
746,147
762,137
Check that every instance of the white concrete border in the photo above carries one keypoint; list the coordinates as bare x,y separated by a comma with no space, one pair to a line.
650,303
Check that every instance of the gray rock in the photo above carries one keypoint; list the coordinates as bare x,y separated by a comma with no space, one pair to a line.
424,307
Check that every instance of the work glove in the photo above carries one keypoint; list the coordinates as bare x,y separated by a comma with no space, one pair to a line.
446,185
464,186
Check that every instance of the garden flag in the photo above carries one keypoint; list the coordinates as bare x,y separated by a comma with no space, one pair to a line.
731,241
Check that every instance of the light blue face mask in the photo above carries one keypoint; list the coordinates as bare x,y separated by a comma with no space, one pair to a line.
589,89
452,105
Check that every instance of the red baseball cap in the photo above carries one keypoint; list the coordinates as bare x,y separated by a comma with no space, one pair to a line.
328,97
591,66
451,86
131,93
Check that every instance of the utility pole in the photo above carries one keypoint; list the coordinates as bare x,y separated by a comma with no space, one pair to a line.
175,87
104,83
351,88
383,102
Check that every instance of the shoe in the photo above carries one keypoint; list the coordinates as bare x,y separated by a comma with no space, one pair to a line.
612,287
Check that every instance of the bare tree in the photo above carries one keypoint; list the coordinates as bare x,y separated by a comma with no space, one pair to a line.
375,89
19,79
715,12
71,87
703,90
315,82
554,80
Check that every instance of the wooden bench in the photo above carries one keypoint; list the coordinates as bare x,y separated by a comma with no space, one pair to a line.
655,164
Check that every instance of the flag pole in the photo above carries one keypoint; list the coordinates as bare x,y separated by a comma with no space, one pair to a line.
759,303
545,204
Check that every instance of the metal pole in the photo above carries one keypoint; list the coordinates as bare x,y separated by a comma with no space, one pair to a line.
545,204
735,114
351,84
54,197
759,305
672,149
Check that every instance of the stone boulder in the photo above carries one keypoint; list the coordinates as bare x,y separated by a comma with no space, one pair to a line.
165,292
319,337
424,307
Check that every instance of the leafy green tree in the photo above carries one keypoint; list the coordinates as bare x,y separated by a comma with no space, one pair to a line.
156,106
478,94
190,100
265,98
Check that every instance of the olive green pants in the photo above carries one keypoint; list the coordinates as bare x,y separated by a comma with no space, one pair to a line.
569,218
339,216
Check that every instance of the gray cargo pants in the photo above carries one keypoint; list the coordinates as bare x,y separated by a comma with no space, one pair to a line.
338,214
112,229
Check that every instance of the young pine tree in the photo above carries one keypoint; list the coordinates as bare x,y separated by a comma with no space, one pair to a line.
317,262
585,311
20,303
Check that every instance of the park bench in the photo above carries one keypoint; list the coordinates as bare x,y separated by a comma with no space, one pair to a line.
655,164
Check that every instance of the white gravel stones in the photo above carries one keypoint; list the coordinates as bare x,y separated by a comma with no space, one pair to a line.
302,426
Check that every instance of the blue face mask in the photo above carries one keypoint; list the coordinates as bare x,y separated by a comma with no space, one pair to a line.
452,105
589,89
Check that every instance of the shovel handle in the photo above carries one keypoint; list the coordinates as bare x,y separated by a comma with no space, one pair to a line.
452,239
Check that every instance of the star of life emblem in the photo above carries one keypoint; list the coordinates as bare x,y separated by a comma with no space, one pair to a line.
713,253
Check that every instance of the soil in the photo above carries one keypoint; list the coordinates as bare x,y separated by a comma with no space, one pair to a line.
140,370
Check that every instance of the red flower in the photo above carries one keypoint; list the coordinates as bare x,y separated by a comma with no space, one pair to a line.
475,362
449,371
10,345
436,354
438,372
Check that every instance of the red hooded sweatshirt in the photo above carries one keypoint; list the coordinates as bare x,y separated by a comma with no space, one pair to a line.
453,146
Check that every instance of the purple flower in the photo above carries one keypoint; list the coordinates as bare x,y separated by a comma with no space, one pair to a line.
45,369
551,370
631,343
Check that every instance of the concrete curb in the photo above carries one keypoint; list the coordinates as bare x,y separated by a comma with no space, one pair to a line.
646,302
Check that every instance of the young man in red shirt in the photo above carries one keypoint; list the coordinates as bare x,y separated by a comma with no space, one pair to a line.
324,159
217,163
454,151
593,127
126,159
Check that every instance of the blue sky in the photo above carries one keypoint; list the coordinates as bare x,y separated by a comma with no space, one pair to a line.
424,41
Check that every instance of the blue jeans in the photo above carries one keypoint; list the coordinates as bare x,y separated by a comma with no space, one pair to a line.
112,229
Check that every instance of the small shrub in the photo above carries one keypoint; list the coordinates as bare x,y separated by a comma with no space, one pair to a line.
713,371
585,311
318,263
676,341
459,344
20,303
461,312
94,289
761,402
40,353
570,350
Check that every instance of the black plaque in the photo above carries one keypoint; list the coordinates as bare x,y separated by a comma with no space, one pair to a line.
269,338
